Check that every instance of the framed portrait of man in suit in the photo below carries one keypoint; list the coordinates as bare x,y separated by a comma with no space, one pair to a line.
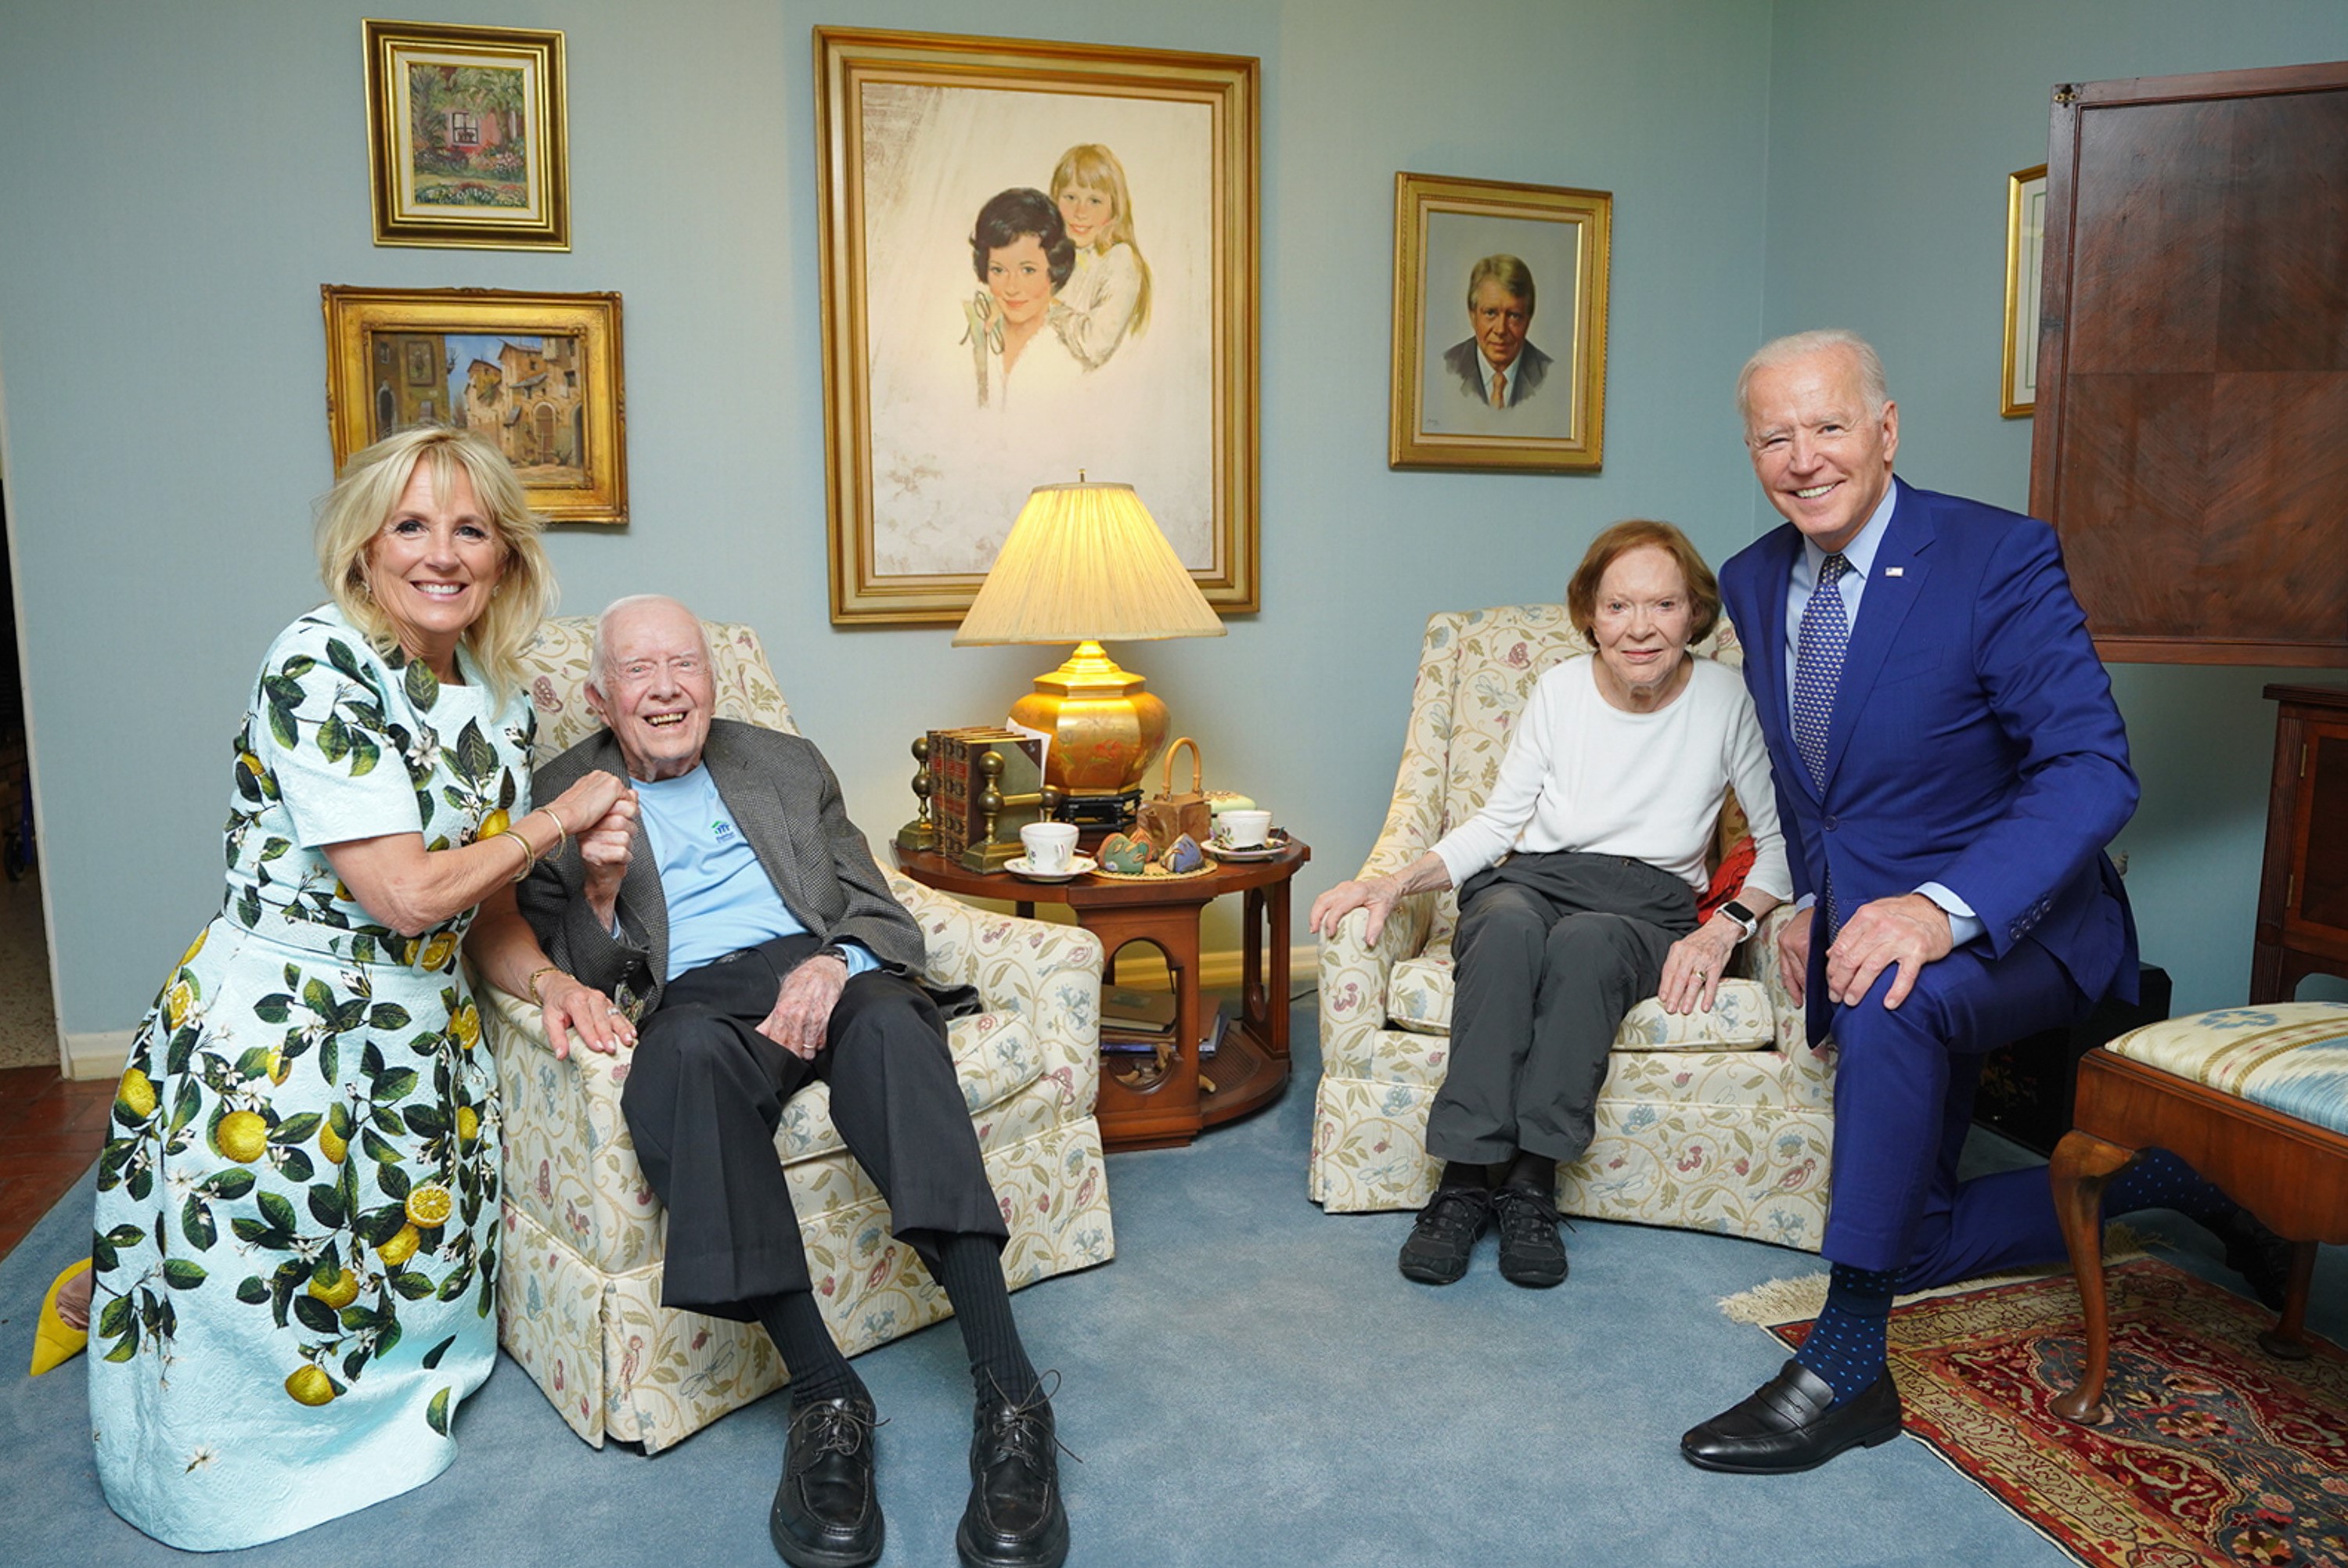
1499,330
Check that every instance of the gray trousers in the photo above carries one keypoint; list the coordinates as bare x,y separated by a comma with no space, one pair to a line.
1552,951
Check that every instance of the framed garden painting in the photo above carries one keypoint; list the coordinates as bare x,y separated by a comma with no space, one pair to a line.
467,143
1039,259
1499,325
538,374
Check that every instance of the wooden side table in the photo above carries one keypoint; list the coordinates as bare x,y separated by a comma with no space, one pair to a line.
2302,921
1249,1069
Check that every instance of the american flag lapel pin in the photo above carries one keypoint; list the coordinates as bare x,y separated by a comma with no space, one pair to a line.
1895,571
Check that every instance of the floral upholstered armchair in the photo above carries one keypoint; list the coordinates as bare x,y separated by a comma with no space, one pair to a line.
579,1297
1719,1121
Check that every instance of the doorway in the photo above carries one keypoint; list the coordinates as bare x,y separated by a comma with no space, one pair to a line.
28,1020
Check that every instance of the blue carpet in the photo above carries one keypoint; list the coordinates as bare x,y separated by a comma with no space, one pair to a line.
1250,1383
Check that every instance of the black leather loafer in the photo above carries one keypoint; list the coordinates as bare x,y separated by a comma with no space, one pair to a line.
1787,1425
1445,1236
826,1513
1015,1518
1532,1254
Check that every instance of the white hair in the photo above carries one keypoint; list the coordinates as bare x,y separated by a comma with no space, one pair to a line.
1799,345
600,644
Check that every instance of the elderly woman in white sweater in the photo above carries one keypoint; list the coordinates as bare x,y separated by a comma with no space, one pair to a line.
1578,887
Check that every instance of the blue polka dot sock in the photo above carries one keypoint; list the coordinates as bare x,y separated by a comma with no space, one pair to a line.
2159,1180
1846,1344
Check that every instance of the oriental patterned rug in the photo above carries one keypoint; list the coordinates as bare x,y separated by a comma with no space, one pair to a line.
2218,1453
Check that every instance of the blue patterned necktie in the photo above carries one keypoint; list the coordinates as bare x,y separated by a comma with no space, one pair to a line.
1817,666
1818,669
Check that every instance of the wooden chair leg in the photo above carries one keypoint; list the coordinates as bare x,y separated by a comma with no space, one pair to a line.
2083,1167
2287,1340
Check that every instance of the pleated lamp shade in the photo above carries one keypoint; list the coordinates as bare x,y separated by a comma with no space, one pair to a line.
1086,563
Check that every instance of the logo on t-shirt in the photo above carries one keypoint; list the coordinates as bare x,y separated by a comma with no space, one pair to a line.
721,830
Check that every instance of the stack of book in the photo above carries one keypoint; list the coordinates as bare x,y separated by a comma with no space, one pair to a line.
1138,1023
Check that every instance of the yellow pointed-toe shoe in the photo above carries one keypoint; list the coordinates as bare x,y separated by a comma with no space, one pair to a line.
54,1343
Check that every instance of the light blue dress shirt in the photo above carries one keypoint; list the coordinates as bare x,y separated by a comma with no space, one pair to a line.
1963,924
720,899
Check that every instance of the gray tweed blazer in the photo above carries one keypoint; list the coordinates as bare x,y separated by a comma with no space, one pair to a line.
787,803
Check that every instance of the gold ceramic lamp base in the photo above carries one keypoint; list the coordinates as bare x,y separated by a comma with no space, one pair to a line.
1105,729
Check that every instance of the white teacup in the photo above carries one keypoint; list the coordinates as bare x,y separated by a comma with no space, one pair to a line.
1051,846
1246,829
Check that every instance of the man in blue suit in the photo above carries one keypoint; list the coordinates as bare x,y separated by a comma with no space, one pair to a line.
1950,766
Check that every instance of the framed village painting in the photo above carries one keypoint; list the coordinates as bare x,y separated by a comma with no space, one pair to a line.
1499,325
467,142
1039,261
538,374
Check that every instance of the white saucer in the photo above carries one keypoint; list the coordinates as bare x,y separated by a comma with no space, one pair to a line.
1077,867
1271,848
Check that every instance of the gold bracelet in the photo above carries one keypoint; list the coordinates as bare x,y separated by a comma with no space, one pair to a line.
531,984
561,833
529,856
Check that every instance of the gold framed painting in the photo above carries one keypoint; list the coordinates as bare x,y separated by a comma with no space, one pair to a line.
1039,262
538,374
2025,244
468,143
1499,325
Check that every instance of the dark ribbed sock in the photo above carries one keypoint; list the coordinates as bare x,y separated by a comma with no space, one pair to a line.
1538,1172
1845,1345
819,1371
2160,1180
970,1268
1460,1173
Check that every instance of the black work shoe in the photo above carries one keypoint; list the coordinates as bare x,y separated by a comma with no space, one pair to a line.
1015,1518
825,1514
1791,1423
1444,1235
2261,1257
1531,1255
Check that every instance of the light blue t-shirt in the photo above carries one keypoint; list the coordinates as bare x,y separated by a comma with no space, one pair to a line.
719,897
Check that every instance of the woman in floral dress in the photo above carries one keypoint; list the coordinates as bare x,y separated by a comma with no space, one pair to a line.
296,1261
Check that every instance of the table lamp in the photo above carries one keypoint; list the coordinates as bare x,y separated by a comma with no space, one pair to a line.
1086,563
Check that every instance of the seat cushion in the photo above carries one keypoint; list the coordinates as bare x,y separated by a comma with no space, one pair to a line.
1418,999
2290,1057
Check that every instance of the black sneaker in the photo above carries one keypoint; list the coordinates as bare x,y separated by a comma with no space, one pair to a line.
825,1514
1444,1235
1531,1255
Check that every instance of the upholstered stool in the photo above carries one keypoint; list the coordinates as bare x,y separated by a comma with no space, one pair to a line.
2255,1099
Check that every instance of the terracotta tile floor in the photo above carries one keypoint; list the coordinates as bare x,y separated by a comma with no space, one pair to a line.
51,1130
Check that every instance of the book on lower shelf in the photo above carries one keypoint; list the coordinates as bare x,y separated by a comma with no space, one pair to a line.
1137,1012
1119,1041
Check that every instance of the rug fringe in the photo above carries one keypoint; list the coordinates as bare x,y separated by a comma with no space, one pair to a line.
1794,1300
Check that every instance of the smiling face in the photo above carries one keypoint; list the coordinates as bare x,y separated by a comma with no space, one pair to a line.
1823,460
433,565
1500,321
1019,276
1641,624
655,690
1087,211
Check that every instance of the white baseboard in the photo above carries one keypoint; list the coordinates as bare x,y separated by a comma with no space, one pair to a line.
93,1056
1143,969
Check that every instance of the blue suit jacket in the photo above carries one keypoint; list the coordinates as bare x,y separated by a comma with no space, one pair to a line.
1975,741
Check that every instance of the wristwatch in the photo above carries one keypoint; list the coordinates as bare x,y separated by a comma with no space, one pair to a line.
1747,922
834,950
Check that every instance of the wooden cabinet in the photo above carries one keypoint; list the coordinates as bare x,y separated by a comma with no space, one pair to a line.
2303,889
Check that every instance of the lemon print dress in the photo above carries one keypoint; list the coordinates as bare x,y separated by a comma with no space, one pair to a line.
296,1235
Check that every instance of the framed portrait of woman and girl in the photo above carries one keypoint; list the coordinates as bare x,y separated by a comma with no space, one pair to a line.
1038,259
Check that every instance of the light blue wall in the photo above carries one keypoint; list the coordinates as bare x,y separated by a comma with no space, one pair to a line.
1891,131
177,180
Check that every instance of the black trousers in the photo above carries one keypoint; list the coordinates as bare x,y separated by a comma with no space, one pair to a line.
1552,951
705,1092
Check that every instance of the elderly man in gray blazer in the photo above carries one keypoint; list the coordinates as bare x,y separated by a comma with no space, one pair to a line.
731,906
